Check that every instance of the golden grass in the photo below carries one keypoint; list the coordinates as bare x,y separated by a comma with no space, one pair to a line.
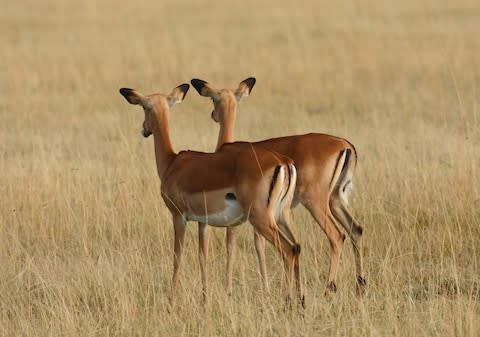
85,240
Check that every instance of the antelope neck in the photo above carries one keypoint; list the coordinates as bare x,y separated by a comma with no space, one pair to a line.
164,153
226,130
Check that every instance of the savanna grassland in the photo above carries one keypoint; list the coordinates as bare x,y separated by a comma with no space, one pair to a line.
85,239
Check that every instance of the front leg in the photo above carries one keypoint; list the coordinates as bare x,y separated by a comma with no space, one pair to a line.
230,258
202,256
179,231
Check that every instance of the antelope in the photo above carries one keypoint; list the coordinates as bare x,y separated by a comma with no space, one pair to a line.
221,189
325,166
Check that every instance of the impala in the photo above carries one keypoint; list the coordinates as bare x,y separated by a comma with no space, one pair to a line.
325,166
221,189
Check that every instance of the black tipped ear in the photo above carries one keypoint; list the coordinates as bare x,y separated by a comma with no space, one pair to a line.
132,96
245,87
184,88
204,89
198,85
178,94
249,82
125,91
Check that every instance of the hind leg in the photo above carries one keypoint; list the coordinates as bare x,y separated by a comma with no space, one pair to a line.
325,220
283,225
354,231
260,249
268,228
298,283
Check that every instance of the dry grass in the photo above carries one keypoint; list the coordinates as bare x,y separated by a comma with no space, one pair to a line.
85,240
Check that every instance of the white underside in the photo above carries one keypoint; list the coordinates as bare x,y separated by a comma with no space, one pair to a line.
231,215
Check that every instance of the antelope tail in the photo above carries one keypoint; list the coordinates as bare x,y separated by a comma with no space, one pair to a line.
343,174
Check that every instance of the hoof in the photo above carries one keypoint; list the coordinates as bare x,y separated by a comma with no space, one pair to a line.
361,285
331,288
302,302
204,300
288,304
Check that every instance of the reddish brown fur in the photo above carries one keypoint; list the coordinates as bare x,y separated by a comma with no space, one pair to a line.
324,170
196,184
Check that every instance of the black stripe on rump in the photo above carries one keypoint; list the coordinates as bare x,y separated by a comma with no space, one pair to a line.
272,183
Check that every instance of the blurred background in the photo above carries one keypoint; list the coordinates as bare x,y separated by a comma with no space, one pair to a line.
85,240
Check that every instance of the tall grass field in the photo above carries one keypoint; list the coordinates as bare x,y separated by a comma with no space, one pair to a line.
86,242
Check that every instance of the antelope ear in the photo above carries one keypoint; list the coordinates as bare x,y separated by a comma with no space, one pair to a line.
178,94
244,88
204,89
132,96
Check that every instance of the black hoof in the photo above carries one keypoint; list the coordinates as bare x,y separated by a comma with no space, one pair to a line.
331,287
302,302
361,285
361,281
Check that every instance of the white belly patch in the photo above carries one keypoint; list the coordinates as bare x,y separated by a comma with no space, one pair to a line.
231,215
